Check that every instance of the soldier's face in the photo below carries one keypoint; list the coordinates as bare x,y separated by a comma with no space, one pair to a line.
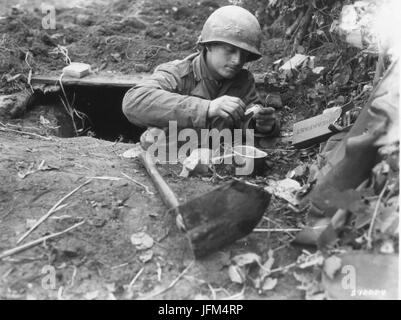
225,60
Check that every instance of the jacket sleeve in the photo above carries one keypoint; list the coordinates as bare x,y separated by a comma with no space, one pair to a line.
157,100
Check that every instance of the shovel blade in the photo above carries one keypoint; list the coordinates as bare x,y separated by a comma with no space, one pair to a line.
223,215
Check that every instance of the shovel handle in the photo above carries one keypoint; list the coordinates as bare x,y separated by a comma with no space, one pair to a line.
167,195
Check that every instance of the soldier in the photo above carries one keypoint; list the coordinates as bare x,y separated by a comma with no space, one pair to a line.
210,88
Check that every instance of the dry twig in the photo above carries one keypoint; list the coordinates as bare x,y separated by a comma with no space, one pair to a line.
138,183
215,290
119,266
277,230
37,241
30,70
69,107
159,272
74,273
51,211
237,296
131,284
8,212
285,268
372,223
172,284
5,129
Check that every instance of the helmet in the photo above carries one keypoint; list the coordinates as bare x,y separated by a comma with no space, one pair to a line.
236,26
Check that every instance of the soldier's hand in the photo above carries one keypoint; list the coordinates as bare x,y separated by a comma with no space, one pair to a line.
265,120
227,106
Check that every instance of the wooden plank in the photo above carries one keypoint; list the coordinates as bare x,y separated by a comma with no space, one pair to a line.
92,80
314,130
103,79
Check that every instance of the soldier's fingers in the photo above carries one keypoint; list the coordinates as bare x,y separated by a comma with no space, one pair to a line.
229,116
229,112
241,112
241,103
268,110
235,109
234,114
237,101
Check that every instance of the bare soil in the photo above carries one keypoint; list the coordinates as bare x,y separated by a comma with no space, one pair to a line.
114,210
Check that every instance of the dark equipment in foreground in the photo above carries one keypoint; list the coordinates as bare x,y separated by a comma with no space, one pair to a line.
217,218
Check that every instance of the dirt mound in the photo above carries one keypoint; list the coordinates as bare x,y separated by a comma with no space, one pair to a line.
99,256
124,36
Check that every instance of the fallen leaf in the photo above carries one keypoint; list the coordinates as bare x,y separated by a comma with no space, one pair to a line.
92,295
285,189
331,266
294,62
153,136
198,161
389,218
111,296
44,121
264,270
269,284
290,174
51,89
389,149
364,218
133,152
309,260
146,256
300,277
236,274
299,171
256,282
184,173
316,296
310,284
387,247
30,170
142,241
318,70
246,258
111,287
313,172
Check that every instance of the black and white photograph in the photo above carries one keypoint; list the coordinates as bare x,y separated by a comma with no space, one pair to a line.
199,154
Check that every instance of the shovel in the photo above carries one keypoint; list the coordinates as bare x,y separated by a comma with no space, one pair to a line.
216,218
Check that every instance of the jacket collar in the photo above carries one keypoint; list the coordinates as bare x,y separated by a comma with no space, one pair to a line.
200,69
